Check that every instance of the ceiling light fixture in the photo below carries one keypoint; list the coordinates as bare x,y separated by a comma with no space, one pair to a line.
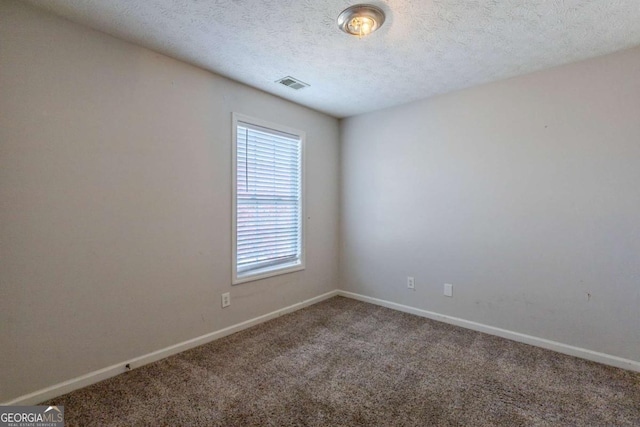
360,20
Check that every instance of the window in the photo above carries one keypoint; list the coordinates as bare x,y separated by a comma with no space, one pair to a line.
268,226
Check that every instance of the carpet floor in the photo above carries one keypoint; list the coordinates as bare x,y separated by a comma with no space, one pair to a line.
347,363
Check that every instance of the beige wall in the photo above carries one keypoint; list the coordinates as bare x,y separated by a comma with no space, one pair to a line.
115,190
523,194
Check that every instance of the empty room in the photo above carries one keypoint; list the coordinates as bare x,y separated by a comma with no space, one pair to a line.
320,213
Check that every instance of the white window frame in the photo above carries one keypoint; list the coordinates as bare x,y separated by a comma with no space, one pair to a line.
272,270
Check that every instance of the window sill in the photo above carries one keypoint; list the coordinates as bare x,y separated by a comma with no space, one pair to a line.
263,273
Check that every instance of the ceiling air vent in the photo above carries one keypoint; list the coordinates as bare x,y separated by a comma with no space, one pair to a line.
292,83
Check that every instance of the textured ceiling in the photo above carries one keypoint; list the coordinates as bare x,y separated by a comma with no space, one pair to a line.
426,47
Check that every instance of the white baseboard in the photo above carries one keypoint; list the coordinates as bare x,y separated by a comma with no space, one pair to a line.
583,353
113,370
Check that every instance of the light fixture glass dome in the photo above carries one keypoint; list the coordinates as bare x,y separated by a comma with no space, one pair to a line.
360,20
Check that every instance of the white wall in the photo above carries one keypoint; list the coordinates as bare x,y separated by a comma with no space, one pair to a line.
115,190
524,194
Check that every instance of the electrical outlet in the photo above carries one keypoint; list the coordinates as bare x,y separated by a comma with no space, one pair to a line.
411,283
226,299
448,290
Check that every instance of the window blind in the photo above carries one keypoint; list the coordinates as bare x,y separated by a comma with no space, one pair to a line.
268,199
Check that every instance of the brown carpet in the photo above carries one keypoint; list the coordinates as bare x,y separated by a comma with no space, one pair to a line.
348,363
